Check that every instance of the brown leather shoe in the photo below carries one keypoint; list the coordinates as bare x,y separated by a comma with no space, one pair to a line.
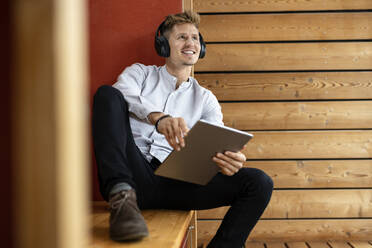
126,221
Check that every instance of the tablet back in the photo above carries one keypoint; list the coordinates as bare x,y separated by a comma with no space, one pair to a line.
194,162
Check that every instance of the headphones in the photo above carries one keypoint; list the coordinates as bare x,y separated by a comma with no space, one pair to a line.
162,44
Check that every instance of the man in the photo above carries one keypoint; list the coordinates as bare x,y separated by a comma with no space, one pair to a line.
143,117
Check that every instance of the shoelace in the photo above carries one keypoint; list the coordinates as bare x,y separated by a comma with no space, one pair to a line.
117,203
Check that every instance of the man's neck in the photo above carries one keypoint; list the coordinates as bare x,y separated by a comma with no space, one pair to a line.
181,73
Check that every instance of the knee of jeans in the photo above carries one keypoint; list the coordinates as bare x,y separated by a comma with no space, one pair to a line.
107,93
265,181
261,182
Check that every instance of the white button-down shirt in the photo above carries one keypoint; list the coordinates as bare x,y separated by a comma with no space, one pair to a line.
149,89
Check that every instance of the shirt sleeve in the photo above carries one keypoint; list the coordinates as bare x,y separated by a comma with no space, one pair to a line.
130,83
212,111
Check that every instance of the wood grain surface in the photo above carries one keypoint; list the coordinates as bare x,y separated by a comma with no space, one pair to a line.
317,173
298,115
288,86
287,56
286,27
310,144
330,203
274,5
298,230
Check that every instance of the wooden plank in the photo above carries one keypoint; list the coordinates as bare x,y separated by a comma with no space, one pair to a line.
339,244
310,145
296,245
289,204
33,126
70,35
318,244
297,230
248,244
194,231
253,244
49,123
287,56
310,244
286,27
288,86
298,115
360,244
317,174
275,245
187,5
269,5
166,228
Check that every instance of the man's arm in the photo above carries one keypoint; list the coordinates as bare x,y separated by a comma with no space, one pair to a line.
174,129
130,84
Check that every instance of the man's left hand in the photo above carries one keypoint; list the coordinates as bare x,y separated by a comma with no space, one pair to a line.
230,162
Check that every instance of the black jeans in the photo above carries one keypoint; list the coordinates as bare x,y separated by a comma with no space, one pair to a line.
119,160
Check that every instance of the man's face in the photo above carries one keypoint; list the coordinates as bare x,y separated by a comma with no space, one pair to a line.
184,44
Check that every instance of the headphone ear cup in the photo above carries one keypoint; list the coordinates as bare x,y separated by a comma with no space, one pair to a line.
162,46
203,47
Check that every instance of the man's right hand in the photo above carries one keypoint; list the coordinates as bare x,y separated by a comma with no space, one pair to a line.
173,128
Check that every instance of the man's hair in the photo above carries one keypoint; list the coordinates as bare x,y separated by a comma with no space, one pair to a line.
180,18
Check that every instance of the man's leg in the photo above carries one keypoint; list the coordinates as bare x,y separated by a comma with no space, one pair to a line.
119,161
117,156
247,192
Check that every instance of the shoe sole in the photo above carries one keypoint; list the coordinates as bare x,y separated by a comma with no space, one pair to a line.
129,237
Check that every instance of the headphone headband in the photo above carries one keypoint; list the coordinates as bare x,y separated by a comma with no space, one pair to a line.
162,45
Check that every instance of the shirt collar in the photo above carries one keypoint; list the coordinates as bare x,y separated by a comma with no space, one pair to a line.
173,80
167,75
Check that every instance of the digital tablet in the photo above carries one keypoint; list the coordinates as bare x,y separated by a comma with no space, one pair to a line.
194,162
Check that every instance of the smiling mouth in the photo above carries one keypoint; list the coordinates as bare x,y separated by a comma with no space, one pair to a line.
188,52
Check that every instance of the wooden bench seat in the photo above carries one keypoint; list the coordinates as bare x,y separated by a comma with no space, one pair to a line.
168,228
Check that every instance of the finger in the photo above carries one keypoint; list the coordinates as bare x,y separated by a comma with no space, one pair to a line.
226,172
232,161
165,127
238,156
231,165
180,139
182,132
183,127
170,141
223,169
171,138
178,133
245,146
226,166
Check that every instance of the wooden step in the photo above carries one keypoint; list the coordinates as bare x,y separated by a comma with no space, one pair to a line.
168,228
307,244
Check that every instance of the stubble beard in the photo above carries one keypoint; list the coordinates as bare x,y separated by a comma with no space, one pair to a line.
189,64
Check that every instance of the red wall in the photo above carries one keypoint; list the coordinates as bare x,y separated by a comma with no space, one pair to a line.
122,33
